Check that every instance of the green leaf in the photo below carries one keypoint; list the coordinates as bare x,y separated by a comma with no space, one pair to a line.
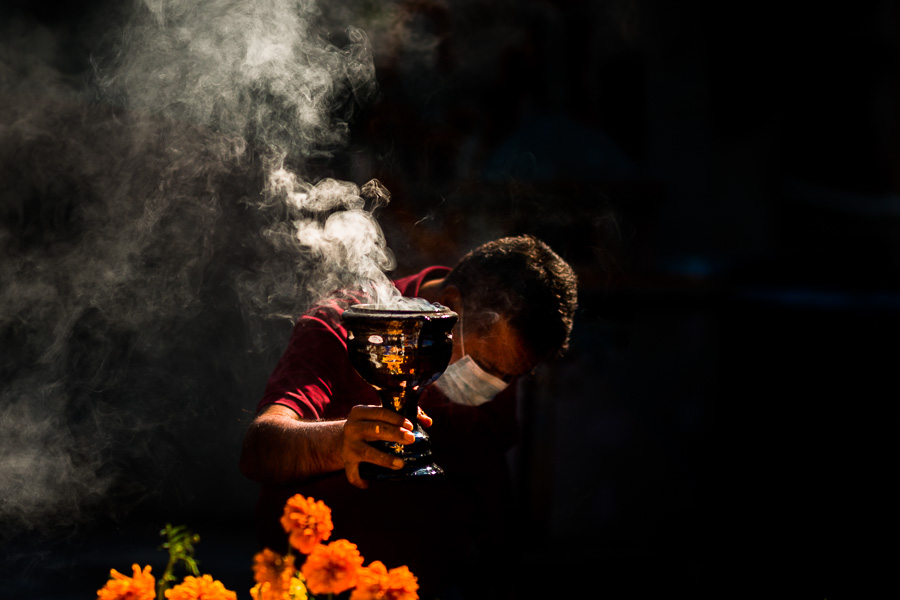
180,543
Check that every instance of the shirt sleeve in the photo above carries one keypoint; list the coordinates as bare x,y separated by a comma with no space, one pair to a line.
310,370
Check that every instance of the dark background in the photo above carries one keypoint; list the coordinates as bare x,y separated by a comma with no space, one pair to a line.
722,176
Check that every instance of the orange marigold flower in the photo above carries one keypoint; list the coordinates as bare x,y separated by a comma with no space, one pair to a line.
200,588
377,583
307,521
140,586
276,577
297,591
332,569
273,568
264,591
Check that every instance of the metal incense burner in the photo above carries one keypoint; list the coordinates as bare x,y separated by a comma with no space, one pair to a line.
399,352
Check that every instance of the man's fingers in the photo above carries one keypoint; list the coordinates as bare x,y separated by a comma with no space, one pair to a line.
352,470
423,418
376,431
365,453
370,424
377,413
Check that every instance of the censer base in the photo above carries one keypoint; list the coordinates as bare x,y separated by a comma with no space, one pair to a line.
371,472
417,459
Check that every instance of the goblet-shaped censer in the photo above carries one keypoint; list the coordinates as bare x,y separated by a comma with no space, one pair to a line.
399,352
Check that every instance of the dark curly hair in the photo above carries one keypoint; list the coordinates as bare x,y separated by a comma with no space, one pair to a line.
522,279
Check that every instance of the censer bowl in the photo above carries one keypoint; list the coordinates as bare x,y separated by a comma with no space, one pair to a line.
399,352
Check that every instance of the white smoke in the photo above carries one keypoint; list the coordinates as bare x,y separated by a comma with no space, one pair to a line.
263,74
158,210
259,71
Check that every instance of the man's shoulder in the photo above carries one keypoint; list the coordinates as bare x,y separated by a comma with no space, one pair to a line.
409,285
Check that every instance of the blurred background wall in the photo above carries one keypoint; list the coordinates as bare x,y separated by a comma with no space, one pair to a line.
722,176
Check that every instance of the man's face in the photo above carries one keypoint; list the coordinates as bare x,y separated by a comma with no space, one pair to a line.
499,351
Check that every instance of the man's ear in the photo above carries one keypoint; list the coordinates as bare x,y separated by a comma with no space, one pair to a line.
451,298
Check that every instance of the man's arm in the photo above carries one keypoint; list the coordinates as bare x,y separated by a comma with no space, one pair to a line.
280,447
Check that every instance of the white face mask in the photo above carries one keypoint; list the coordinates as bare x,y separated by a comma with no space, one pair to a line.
464,382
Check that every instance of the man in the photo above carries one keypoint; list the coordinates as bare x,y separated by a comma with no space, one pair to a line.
515,299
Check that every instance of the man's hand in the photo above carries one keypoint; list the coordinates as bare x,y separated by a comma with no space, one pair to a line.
373,423
280,447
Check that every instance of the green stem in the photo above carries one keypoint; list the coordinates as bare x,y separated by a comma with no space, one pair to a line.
180,544
167,577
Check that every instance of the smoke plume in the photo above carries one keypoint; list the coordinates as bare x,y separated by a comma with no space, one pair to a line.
164,212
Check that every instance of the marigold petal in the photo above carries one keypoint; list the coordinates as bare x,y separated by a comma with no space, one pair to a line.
370,582
200,588
297,589
375,582
401,585
332,569
140,586
274,569
307,522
